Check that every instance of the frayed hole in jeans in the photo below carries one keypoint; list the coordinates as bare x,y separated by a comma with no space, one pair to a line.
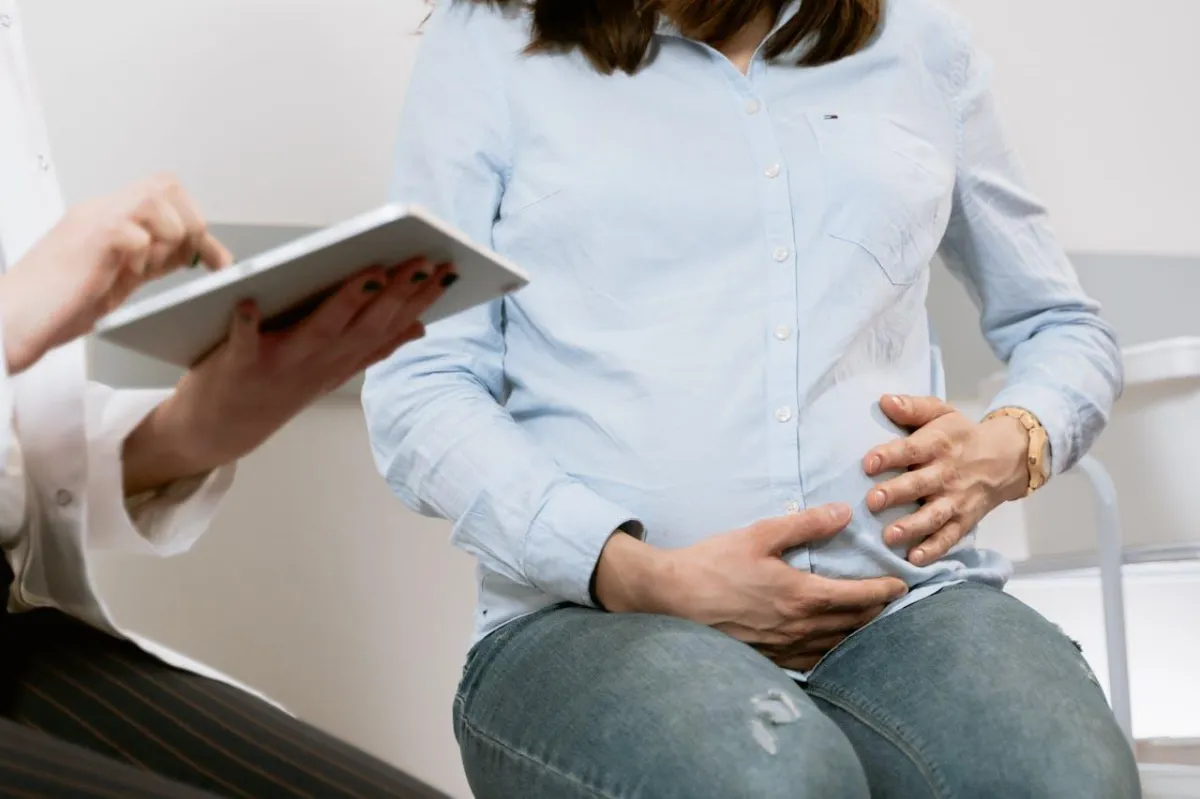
772,709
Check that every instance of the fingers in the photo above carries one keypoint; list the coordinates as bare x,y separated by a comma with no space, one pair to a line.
244,336
924,446
913,412
826,624
938,544
199,242
782,533
803,658
812,646
393,319
165,226
801,663
415,286
913,486
334,315
129,244
825,595
180,235
916,527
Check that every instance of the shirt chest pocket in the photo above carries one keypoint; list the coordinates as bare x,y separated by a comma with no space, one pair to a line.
887,189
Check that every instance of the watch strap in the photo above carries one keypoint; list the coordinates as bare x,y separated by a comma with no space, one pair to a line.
1036,460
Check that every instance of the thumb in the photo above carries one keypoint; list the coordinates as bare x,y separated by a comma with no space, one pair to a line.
913,412
815,524
243,332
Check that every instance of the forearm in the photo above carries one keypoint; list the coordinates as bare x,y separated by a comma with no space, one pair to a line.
21,332
157,454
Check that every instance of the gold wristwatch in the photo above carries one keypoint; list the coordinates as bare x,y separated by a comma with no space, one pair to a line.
1039,445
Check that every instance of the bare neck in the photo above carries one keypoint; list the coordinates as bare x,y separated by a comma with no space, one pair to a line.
741,48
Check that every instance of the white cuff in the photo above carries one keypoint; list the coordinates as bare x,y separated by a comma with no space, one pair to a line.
164,522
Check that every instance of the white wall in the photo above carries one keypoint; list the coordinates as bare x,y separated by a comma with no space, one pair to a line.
281,111
1100,100
315,585
272,111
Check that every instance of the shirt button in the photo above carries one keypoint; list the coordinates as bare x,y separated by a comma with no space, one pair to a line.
782,332
44,163
784,414
753,106
793,507
64,497
781,254
773,171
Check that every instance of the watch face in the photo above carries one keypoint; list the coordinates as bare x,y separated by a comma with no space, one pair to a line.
1043,465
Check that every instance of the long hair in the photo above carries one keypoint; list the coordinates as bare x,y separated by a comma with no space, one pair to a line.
616,34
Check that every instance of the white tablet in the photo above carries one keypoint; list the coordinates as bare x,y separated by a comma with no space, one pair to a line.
182,324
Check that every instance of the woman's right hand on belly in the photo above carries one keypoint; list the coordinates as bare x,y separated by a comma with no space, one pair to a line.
738,582
98,254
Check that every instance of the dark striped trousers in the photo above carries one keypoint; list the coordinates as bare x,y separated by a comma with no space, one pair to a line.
83,714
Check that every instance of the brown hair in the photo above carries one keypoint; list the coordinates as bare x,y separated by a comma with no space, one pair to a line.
616,34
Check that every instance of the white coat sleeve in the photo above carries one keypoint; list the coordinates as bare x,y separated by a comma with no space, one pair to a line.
165,522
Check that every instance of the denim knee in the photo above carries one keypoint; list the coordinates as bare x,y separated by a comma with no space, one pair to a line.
1079,763
784,758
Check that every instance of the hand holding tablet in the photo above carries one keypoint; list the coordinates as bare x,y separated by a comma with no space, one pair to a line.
265,338
183,324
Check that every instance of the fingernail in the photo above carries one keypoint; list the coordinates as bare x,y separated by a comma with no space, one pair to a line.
918,556
874,463
894,536
449,280
901,403
418,277
837,512
372,287
878,497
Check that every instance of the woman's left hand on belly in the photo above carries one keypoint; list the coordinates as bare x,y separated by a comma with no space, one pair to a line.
959,469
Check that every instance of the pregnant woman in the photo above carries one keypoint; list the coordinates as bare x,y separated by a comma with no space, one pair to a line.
723,521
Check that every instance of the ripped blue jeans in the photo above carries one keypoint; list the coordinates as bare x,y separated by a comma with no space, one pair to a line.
968,694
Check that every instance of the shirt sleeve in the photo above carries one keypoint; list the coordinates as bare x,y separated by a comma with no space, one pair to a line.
164,522
1064,365
439,432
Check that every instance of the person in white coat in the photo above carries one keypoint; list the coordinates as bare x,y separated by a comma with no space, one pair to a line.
86,708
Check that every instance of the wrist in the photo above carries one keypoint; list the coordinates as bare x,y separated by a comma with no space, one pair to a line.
1013,453
160,451
630,575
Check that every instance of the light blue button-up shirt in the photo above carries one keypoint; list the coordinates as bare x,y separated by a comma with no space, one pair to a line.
728,272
